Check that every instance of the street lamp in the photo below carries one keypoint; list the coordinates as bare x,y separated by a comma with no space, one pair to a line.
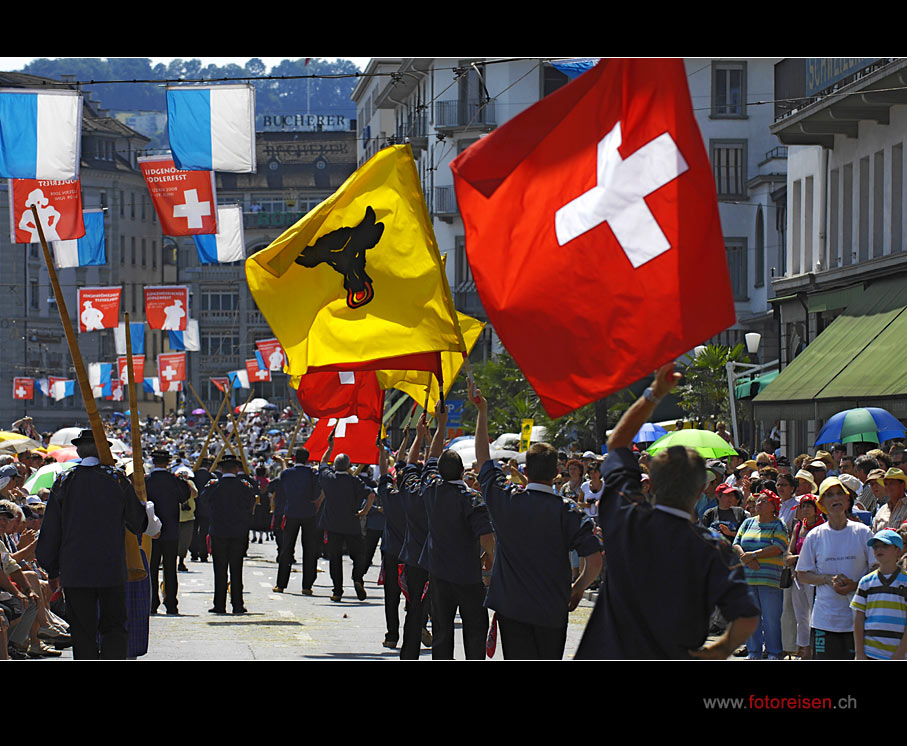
752,346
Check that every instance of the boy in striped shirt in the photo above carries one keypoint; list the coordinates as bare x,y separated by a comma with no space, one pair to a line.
880,603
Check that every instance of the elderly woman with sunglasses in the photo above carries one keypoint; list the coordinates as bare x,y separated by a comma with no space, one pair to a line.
761,543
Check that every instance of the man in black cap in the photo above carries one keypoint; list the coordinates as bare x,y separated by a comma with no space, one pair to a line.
230,502
297,499
167,492
82,547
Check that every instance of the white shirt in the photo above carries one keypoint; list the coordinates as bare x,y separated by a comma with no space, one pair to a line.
588,494
827,551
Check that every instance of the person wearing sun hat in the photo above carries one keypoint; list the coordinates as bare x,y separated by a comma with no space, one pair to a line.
894,512
806,485
834,556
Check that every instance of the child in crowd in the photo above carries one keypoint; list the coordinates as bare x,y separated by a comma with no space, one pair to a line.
880,603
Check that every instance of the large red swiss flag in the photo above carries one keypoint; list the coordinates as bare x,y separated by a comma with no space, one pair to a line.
593,234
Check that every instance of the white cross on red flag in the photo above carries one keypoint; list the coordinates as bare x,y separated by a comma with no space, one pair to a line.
23,388
593,215
171,368
256,373
185,201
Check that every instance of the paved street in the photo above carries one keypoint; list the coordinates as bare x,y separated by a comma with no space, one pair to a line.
287,626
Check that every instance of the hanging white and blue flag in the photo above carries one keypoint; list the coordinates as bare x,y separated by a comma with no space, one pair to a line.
137,330
86,251
99,378
40,134
187,340
43,386
212,127
228,244
152,386
239,379
62,389
575,67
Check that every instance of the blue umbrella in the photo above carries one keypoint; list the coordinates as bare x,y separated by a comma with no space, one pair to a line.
863,424
649,433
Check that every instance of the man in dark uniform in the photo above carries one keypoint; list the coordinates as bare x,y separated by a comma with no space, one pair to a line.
199,546
297,499
459,534
535,529
82,546
415,572
665,574
230,502
344,495
167,492
392,539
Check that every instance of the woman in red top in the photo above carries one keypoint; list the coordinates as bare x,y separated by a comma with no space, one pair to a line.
809,517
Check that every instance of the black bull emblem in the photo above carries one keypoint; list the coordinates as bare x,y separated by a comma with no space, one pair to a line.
344,251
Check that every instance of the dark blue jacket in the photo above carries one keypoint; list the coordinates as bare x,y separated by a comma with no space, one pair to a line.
230,501
82,538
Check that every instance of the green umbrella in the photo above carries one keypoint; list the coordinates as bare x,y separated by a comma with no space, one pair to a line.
707,443
45,476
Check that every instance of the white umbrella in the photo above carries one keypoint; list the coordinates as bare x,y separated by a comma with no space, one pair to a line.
256,405
118,446
64,437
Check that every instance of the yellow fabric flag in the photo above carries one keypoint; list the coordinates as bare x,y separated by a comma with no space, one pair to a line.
414,382
359,278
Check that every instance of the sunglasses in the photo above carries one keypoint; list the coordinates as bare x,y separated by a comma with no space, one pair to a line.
763,464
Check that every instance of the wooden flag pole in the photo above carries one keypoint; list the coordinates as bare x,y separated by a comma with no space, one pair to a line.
138,463
202,405
134,564
238,440
201,454
295,431
91,408
242,450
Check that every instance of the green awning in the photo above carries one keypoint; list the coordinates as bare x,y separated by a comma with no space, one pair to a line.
833,299
857,361
747,388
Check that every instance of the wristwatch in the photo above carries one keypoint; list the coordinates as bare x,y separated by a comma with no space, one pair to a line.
649,395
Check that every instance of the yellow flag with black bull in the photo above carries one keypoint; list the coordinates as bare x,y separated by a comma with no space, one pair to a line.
357,283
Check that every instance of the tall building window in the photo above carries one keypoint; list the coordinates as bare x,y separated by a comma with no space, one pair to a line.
728,89
729,166
463,273
132,244
144,253
737,266
759,279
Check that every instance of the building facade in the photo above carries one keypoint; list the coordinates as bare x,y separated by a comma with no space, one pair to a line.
844,121
33,342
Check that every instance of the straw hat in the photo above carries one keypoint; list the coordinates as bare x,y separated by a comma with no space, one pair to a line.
807,477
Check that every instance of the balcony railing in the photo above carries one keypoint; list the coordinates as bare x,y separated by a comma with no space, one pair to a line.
461,113
445,202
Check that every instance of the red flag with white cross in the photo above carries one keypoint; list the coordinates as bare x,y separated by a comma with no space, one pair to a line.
23,388
185,201
593,216
256,373
171,369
